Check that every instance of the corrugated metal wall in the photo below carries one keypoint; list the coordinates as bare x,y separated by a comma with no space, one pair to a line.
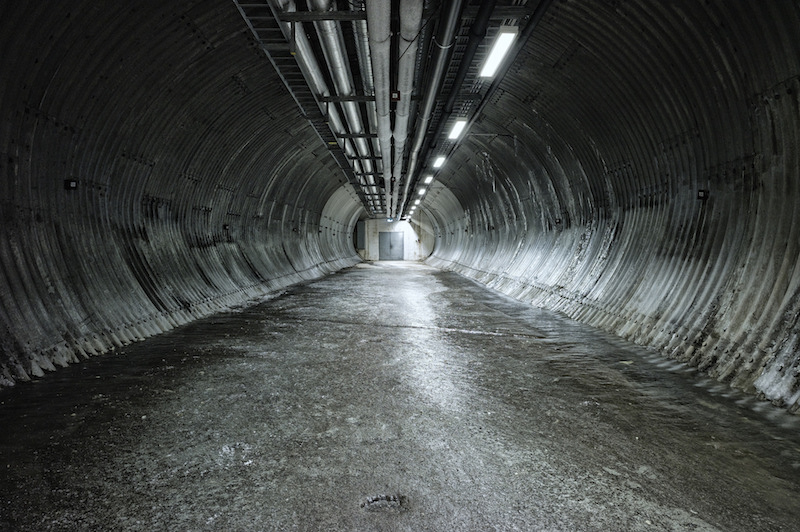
199,186
196,187
646,182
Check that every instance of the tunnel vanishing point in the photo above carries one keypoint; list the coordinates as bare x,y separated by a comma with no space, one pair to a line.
634,165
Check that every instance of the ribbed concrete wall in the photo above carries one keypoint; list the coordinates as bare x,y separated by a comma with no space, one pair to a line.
615,116
197,186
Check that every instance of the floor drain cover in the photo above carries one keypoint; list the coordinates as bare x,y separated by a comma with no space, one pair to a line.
382,502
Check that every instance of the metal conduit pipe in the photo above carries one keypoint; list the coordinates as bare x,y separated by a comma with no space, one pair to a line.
303,52
477,33
410,23
330,33
443,43
379,17
365,66
312,72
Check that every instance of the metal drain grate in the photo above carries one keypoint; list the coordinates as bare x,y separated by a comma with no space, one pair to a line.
382,502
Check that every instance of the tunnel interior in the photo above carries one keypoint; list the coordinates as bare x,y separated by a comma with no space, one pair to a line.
635,166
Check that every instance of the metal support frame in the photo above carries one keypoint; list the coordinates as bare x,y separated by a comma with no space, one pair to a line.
316,16
353,98
357,136
264,23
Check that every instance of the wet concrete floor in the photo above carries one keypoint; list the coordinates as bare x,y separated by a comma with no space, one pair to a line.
391,396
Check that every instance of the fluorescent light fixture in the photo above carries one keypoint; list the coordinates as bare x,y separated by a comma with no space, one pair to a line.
416,202
458,127
502,44
429,180
421,192
438,162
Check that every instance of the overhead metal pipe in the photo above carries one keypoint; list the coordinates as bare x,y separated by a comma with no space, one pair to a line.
312,72
330,34
379,17
477,33
365,67
410,24
443,48
527,32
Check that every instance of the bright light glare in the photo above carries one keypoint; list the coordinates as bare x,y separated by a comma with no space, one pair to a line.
429,180
421,191
502,44
416,202
458,127
438,162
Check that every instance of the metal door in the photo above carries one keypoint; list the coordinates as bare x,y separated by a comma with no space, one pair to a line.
390,245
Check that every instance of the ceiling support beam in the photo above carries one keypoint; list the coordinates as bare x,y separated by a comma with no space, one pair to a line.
349,98
318,16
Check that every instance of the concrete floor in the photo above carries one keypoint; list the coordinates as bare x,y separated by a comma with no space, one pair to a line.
391,396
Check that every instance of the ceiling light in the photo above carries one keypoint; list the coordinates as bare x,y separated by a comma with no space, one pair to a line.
421,191
428,180
438,162
416,202
502,44
458,127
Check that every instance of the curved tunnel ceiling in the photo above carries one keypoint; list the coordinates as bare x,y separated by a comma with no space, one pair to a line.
637,168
